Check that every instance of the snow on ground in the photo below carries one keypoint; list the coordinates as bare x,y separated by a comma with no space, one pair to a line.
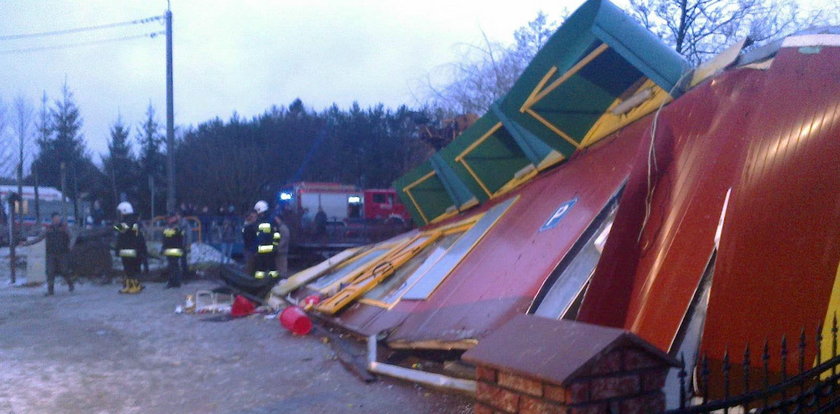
95,351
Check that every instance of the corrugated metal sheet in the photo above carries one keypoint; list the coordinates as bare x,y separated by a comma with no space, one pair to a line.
501,276
780,245
773,137
647,276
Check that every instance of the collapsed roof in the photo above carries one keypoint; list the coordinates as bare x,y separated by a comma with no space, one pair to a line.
714,219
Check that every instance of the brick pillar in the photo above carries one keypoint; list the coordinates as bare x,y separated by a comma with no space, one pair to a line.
622,375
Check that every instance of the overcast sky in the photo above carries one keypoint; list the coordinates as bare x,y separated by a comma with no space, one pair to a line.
244,56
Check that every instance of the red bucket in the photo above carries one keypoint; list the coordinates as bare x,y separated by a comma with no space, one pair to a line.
294,319
241,307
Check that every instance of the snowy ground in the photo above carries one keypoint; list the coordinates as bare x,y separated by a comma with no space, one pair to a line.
94,351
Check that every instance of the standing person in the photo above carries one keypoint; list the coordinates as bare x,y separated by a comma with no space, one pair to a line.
186,230
282,258
228,236
267,240
131,247
320,222
173,249
58,246
249,241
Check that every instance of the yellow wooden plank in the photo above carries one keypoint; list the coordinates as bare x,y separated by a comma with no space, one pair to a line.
333,287
540,85
419,180
516,182
416,205
610,122
553,128
475,176
480,140
569,73
373,275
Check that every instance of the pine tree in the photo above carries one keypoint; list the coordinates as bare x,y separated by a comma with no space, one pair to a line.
119,166
61,141
151,162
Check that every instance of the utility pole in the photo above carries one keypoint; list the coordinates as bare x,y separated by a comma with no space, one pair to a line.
170,117
63,191
152,194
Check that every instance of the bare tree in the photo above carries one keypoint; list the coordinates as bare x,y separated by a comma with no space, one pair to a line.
7,149
486,71
23,122
699,29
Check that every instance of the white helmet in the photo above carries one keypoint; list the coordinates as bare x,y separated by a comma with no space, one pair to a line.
125,208
261,206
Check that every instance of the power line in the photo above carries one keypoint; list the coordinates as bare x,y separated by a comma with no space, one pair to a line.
81,29
79,44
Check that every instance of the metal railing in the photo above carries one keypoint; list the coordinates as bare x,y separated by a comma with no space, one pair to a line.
812,390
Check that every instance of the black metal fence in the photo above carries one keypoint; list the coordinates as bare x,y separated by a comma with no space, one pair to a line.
800,385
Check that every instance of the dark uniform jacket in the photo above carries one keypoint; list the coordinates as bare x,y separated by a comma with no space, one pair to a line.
173,242
57,240
130,240
268,236
249,237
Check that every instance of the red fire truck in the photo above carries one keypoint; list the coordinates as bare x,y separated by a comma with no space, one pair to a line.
342,203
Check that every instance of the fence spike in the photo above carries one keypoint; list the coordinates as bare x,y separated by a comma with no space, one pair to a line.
682,374
802,345
783,353
766,360
705,378
834,342
746,368
725,370
834,336
818,343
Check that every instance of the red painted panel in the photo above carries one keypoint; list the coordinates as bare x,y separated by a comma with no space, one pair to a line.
780,245
503,273
645,283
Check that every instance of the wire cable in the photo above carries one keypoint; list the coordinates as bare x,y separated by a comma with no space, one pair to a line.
151,35
81,29
651,155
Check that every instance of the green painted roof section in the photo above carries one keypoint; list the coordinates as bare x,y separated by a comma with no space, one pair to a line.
455,187
599,55
430,194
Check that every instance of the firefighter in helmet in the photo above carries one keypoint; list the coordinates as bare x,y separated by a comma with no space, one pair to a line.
173,249
131,247
268,238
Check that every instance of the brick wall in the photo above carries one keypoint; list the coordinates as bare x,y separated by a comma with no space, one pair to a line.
625,380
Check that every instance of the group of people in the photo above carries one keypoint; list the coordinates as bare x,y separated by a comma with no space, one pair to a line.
265,241
131,248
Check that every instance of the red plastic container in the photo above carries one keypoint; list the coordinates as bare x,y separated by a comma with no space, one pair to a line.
294,319
241,307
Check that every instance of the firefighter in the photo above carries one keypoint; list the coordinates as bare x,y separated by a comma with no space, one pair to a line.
173,249
268,238
131,247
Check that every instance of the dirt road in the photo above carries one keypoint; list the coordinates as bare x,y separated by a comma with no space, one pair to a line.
94,351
